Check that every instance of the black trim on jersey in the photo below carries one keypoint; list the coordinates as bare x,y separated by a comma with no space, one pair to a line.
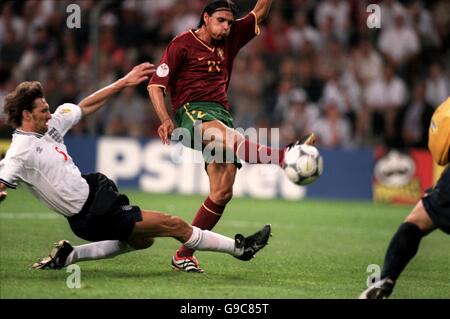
19,132
8,184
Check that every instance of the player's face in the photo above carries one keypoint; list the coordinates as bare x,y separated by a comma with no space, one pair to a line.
40,116
219,24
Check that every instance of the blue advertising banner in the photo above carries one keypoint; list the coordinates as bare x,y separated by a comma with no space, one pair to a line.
347,175
83,151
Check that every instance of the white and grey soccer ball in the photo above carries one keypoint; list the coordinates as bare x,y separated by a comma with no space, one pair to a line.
303,164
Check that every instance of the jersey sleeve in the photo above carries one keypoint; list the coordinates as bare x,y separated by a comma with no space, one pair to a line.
65,116
242,31
168,65
9,170
439,134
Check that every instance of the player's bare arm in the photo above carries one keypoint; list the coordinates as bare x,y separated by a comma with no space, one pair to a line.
137,75
157,97
3,192
262,9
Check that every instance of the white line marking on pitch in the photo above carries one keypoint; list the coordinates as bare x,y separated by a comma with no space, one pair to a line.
36,215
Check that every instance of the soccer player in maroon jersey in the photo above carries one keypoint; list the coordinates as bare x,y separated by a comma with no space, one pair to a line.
196,69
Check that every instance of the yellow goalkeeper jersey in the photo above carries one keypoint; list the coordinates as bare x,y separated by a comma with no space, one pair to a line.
439,133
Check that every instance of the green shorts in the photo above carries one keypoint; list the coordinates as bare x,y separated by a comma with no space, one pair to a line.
191,115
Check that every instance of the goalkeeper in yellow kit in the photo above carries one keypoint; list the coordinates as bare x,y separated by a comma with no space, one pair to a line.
431,212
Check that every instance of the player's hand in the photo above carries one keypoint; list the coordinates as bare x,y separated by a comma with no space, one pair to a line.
165,130
3,195
139,74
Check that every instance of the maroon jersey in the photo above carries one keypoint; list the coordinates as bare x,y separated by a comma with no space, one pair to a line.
194,71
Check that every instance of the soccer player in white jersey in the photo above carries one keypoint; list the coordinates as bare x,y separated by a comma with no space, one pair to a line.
96,211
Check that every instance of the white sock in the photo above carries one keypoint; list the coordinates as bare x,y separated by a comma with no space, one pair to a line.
98,250
208,240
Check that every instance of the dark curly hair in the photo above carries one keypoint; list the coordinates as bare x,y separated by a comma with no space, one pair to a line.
21,99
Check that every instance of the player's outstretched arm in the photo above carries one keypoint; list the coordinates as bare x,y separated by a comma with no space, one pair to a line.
3,192
137,75
167,126
262,9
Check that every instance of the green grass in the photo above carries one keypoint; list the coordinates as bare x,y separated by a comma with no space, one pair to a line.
319,249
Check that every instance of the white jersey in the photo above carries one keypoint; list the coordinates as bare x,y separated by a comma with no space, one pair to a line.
41,163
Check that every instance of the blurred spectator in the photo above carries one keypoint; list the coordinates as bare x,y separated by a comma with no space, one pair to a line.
128,115
288,69
5,87
35,15
130,32
108,46
249,81
153,9
297,115
366,62
422,20
71,66
275,36
52,89
308,80
415,119
389,10
332,59
334,14
383,99
69,93
10,50
40,54
282,101
399,43
186,16
301,34
437,86
332,129
442,19
10,22
344,90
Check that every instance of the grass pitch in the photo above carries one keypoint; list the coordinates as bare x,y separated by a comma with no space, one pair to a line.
319,249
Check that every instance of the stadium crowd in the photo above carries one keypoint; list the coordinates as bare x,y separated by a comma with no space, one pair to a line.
317,66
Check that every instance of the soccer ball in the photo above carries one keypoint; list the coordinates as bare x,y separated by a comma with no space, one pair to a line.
303,164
